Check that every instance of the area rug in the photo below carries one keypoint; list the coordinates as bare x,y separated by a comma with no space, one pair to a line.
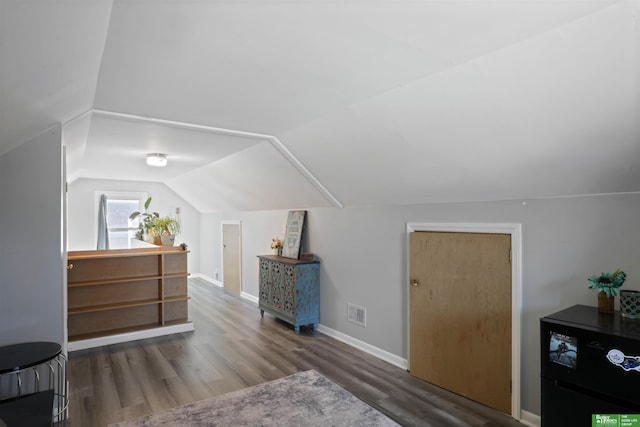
302,399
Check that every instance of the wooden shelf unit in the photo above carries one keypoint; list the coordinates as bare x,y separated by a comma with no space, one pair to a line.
118,291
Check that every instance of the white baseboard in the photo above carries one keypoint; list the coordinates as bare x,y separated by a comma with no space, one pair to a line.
530,419
130,336
367,348
249,297
208,279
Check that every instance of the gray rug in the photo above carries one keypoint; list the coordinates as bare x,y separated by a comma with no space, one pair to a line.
302,399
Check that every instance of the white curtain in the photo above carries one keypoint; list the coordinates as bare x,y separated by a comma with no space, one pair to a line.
103,229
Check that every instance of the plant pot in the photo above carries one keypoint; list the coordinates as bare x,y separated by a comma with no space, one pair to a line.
630,304
168,239
605,303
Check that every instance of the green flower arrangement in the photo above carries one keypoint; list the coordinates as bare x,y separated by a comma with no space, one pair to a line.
608,282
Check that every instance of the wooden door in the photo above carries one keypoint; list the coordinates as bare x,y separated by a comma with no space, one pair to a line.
460,314
231,258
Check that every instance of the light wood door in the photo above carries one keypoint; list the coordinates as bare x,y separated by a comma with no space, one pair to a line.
231,258
460,314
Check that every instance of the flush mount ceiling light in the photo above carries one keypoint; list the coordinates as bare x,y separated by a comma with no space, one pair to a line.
157,159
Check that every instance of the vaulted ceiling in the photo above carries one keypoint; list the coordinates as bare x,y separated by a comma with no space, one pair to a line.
276,104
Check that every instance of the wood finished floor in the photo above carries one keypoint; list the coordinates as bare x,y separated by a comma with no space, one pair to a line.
233,348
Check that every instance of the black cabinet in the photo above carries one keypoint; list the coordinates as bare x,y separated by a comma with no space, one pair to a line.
590,365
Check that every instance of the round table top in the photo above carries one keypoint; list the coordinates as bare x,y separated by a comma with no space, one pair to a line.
15,357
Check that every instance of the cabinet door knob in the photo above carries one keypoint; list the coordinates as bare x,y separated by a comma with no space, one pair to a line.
70,267
415,283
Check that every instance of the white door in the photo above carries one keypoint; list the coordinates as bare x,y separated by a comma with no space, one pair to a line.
231,265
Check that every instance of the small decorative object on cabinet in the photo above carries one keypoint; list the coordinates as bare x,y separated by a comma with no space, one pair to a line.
607,285
276,246
290,289
606,304
630,303
293,234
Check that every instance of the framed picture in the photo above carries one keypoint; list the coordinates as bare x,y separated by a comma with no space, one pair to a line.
293,234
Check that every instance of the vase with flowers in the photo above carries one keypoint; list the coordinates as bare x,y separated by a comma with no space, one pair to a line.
607,285
276,246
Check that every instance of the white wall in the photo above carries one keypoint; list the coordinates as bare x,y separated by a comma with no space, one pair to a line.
363,260
82,214
31,253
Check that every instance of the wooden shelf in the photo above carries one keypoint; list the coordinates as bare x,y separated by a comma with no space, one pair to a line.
119,291
177,298
94,308
112,281
130,279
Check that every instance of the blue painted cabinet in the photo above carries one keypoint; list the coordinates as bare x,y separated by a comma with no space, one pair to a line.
290,290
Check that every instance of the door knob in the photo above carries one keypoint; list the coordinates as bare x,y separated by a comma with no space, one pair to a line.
415,283
70,267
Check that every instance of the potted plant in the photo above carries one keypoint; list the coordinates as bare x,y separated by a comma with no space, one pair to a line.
276,246
146,225
166,227
607,285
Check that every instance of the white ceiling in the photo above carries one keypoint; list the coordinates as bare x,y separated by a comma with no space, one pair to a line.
276,104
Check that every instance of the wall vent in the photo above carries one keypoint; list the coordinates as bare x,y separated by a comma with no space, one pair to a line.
357,314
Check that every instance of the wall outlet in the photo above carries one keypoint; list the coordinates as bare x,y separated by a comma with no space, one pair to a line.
357,314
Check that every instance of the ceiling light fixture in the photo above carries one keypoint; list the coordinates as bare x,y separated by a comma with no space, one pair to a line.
157,159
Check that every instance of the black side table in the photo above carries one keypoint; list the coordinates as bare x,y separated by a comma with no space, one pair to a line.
33,381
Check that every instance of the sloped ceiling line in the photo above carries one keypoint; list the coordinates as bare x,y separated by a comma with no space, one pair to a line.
275,142
176,124
304,171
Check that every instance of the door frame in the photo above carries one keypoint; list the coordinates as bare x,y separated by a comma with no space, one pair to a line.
515,230
239,224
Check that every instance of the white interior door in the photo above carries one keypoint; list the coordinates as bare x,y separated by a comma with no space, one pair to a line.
231,264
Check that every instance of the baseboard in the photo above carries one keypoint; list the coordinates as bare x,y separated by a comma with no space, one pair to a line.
129,336
250,298
530,419
208,279
367,348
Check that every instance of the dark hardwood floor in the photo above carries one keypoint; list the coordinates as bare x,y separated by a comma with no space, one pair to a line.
233,348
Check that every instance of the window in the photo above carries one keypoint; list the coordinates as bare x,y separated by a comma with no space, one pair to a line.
120,206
